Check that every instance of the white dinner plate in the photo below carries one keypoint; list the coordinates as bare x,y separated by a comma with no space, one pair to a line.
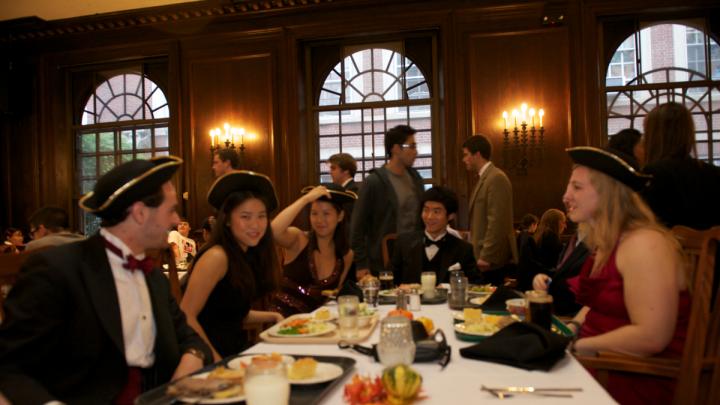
197,400
326,328
246,360
479,300
323,373
332,311
388,293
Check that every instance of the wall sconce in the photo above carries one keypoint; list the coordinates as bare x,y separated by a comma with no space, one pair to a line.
228,136
527,143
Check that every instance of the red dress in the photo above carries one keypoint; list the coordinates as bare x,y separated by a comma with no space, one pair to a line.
603,293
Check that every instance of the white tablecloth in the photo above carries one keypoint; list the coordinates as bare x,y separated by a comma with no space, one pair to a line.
460,382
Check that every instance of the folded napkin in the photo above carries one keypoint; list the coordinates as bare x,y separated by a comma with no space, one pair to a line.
520,344
496,301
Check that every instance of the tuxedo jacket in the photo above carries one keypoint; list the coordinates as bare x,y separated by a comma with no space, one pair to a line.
409,251
491,218
62,338
564,302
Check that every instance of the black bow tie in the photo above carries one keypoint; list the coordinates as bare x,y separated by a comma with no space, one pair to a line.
437,243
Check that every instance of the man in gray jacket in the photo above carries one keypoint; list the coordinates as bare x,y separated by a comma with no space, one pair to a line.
389,201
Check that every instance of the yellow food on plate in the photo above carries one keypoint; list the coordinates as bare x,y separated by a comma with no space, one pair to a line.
235,375
472,315
233,391
303,369
483,328
427,323
322,314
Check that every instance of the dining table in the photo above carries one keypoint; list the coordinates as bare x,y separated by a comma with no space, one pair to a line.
461,380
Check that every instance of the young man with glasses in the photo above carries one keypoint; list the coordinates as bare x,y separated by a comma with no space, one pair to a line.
389,201
49,227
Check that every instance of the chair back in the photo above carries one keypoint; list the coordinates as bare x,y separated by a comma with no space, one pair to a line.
165,259
388,242
10,264
699,376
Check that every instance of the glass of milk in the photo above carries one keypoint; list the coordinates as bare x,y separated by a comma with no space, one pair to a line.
266,383
428,280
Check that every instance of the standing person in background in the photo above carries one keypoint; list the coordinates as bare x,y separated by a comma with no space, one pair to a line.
491,213
182,245
683,190
342,170
49,227
629,142
93,322
224,161
389,201
238,267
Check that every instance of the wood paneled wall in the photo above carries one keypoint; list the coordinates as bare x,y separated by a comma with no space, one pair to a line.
247,66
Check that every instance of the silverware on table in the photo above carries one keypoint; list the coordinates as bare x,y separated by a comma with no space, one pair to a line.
509,392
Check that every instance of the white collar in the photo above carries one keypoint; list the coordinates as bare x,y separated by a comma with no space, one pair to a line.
345,183
484,168
427,235
120,244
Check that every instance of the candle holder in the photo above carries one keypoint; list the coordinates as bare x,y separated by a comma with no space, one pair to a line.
224,139
523,143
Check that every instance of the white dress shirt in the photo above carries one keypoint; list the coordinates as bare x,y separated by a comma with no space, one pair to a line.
431,251
138,322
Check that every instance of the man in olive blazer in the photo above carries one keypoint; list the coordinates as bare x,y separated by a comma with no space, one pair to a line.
491,212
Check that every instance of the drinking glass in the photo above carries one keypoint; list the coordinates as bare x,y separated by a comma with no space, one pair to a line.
386,280
428,279
370,289
396,344
348,316
539,308
266,383
458,292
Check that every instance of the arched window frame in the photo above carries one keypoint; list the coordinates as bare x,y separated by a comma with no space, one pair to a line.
413,76
629,102
125,116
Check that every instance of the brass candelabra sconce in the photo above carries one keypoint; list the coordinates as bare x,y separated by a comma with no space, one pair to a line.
523,142
226,137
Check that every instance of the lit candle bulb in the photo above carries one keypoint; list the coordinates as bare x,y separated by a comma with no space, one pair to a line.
212,138
505,117
541,113
242,136
532,116
523,112
515,116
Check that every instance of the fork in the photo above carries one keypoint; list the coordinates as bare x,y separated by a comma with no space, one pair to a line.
503,393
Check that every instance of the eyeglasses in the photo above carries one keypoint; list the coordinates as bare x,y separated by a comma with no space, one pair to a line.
409,145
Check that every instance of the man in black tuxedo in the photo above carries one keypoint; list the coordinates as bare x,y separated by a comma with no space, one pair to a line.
93,322
571,261
433,249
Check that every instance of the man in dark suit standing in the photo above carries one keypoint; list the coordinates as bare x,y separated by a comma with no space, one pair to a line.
491,213
93,322
433,249
342,170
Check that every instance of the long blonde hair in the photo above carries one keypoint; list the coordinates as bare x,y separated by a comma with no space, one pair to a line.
619,210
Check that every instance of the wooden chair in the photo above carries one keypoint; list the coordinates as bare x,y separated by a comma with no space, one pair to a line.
388,242
698,371
10,264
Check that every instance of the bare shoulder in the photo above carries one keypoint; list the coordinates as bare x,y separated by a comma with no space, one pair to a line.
645,239
647,249
214,258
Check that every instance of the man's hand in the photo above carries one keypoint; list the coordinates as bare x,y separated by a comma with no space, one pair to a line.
541,282
359,274
189,363
483,265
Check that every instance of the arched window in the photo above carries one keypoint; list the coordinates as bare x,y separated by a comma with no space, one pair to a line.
371,90
662,63
125,118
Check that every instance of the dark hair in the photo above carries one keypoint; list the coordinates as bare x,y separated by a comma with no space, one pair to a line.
340,236
669,133
444,196
345,162
527,221
208,223
625,141
255,272
397,135
54,219
478,143
227,154
153,200
10,231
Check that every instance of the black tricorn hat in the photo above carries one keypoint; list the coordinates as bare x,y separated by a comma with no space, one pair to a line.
125,184
338,194
239,180
610,162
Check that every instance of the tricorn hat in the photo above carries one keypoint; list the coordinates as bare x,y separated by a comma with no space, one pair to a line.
125,184
610,162
239,180
338,193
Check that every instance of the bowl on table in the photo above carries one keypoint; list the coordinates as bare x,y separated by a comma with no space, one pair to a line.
517,306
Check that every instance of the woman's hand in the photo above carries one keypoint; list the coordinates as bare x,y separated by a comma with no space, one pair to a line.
317,192
541,282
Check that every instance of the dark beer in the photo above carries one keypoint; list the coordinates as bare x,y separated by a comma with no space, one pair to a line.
540,309
386,280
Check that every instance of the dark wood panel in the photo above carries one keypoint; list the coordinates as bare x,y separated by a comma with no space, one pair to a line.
237,90
505,70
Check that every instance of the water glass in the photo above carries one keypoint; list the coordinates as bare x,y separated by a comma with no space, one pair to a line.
266,383
348,307
387,280
458,292
428,280
396,344
370,289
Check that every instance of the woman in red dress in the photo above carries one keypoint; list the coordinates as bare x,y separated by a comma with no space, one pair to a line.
632,288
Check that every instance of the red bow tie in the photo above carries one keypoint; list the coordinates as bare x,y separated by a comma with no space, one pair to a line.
131,263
